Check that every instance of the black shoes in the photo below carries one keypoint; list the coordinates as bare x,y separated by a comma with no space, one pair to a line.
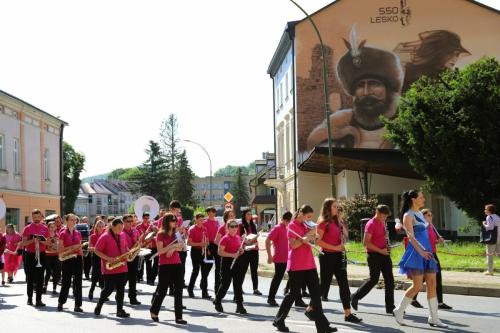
272,302
218,306
134,301
280,326
78,309
329,330
91,295
205,295
181,321
190,293
171,292
30,302
416,304
300,303
352,318
241,309
305,294
309,315
122,314
444,306
97,310
39,304
324,299
154,317
59,307
257,292
354,302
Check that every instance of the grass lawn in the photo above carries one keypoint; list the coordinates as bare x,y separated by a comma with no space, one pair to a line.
355,251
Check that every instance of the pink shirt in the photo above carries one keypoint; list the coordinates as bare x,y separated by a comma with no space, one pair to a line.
432,238
165,240
278,236
11,241
94,237
301,258
377,230
112,246
145,229
179,221
131,235
196,233
212,227
231,243
331,237
222,230
70,239
35,229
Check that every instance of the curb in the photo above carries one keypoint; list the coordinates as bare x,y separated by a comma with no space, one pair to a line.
465,290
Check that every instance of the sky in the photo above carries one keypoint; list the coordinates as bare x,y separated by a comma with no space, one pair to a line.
115,69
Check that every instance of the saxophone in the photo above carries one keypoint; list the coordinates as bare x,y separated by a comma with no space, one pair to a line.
134,251
120,262
68,254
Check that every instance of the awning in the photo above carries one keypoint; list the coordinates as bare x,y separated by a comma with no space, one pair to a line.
388,162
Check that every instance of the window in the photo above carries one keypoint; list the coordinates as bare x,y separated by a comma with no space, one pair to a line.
281,94
272,191
2,149
15,153
12,217
46,164
286,85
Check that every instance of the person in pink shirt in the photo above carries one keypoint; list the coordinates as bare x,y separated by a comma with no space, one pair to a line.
221,232
212,226
52,263
231,250
110,246
251,256
35,237
279,240
170,270
144,228
12,259
198,240
70,241
175,208
96,278
2,249
379,259
301,267
132,236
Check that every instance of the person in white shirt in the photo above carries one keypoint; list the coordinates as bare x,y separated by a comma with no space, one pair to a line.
492,221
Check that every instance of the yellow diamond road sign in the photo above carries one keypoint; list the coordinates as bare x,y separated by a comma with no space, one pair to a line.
228,196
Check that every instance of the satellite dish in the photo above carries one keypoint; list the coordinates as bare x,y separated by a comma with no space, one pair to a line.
3,209
148,204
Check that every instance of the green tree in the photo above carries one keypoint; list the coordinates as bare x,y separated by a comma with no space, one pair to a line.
231,170
73,163
449,130
356,208
239,189
169,139
123,173
151,178
183,180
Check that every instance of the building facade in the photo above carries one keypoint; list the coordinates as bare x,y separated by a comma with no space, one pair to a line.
263,197
220,186
373,51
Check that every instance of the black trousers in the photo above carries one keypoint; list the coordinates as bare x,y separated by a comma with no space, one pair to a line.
378,263
52,269
227,275
114,282
96,273
151,266
279,272
214,253
169,274
251,258
197,261
439,282
334,263
72,270
132,278
296,279
34,275
87,265
183,256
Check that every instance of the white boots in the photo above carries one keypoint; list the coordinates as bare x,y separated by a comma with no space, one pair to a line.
433,314
400,310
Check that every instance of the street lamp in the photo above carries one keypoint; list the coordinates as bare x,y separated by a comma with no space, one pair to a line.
210,160
325,99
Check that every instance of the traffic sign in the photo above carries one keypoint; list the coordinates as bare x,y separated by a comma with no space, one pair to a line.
228,206
228,197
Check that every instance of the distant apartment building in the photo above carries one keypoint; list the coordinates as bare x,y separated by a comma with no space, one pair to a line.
30,160
263,194
220,186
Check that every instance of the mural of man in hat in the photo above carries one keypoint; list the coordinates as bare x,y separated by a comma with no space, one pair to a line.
373,77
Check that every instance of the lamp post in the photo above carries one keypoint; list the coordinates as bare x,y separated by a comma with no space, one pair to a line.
325,100
210,160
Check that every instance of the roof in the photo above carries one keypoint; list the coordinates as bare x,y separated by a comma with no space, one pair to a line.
390,162
264,199
284,45
34,107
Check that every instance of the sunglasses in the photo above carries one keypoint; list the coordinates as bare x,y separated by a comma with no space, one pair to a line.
232,226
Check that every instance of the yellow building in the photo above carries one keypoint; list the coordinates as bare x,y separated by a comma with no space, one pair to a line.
30,160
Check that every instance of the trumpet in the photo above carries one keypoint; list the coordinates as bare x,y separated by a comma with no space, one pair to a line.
316,249
38,238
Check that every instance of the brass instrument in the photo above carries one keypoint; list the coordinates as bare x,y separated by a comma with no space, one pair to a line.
134,251
52,247
69,254
38,238
85,249
205,250
120,262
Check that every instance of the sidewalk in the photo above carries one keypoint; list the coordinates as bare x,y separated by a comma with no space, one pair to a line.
454,282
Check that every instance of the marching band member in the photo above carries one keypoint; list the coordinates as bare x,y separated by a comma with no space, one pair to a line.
59,224
212,226
52,263
175,208
301,267
417,261
132,236
332,234
2,249
170,270
278,238
12,256
231,250
72,268
144,228
250,257
379,259
228,215
97,231
33,235
87,260
111,247
198,241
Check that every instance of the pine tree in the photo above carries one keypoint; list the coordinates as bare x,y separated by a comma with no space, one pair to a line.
183,178
169,141
239,189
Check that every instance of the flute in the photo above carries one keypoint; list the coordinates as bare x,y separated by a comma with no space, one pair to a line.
313,247
158,253
241,247
439,236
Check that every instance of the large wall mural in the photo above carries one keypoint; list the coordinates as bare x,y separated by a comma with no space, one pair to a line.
375,51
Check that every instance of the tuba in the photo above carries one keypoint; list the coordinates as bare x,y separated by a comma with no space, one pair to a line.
146,203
